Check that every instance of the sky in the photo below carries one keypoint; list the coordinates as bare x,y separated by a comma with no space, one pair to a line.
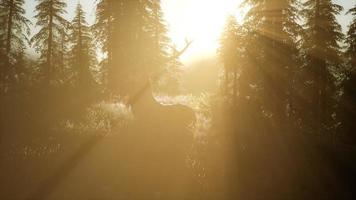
199,20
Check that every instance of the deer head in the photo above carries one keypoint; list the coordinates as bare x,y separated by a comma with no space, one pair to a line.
146,88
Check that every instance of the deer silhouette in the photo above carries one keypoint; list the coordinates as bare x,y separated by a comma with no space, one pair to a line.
160,134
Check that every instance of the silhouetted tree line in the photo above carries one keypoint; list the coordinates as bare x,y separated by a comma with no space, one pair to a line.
296,75
130,37
130,34
287,110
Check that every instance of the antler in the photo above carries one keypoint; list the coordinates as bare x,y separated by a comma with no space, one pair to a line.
175,55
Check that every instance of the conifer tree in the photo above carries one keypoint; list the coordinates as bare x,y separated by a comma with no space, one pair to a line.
47,40
2,31
132,34
229,54
107,32
347,107
160,41
2,45
351,40
134,43
14,34
322,55
272,53
159,49
81,51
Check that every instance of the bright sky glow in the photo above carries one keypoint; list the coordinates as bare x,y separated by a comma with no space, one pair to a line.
199,20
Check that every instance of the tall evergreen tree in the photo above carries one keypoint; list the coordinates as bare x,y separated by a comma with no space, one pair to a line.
258,59
2,41
160,41
322,55
347,107
3,15
159,49
135,44
47,40
14,34
229,55
105,32
351,40
82,52
272,53
133,37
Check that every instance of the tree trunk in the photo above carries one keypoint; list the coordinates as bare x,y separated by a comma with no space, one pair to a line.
50,44
8,41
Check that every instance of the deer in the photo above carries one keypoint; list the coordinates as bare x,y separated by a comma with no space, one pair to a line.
159,129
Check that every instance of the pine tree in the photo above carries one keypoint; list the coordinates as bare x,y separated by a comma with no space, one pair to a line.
159,50
81,51
14,34
3,12
229,55
351,40
116,37
346,106
2,45
272,53
133,58
105,33
160,41
47,40
322,55
132,34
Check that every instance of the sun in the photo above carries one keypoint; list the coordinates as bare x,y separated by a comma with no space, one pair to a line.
201,21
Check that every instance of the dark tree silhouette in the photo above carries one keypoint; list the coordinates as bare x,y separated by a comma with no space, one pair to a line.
83,54
134,37
347,107
229,54
47,40
14,35
322,54
2,44
351,40
104,34
271,100
160,49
